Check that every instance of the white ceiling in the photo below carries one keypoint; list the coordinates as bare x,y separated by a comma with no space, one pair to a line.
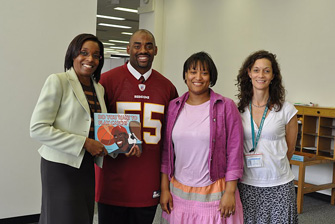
106,8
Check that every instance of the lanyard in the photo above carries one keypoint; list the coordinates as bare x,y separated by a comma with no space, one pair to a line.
254,143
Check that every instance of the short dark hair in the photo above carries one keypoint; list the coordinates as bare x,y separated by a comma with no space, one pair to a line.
244,85
143,31
74,49
205,61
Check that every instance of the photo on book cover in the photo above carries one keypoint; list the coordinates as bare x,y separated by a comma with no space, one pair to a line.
118,132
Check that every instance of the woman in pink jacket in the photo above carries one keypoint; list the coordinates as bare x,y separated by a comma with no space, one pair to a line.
202,159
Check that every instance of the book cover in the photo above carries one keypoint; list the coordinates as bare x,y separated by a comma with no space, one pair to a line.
118,132
298,158
303,156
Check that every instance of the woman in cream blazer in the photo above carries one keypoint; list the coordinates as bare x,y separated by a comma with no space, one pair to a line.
63,122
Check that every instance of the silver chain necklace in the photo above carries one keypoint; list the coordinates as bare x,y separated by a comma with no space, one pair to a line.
259,106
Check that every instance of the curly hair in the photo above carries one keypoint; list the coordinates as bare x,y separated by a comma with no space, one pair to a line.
245,88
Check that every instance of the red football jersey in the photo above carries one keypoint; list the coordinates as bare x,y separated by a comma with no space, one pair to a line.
135,181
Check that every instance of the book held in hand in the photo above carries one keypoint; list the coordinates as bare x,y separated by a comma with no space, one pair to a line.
118,132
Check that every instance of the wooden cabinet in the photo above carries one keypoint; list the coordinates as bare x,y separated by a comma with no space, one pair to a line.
316,131
315,141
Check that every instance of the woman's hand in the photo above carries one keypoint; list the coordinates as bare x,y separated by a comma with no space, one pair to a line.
95,148
228,203
134,151
166,201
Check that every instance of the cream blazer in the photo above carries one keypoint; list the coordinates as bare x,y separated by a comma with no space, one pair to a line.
61,119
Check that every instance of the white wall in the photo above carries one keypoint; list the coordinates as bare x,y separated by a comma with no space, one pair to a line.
151,18
300,32
34,36
110,63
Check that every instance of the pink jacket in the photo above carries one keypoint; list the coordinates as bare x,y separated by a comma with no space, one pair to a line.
226,134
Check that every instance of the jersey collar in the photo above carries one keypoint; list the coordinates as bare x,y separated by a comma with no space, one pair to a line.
136,74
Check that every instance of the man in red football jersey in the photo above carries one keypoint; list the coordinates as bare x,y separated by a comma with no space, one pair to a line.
127,187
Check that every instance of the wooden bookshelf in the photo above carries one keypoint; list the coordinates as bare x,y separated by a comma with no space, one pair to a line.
315,142
316,131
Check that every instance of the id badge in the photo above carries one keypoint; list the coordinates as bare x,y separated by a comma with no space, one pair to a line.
254,160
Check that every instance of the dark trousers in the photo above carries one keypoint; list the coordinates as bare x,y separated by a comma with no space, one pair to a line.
109,214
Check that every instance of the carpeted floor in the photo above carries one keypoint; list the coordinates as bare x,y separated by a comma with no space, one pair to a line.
316,210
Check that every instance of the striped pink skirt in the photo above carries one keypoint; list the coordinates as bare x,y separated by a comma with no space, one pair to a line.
199,205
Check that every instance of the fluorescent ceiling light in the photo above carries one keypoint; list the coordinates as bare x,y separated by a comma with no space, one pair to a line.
126,33
113,25
110,17
119,48
108,44
110,51
123,54
119,41
126,9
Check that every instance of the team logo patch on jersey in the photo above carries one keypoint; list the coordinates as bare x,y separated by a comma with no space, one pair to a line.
141,87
